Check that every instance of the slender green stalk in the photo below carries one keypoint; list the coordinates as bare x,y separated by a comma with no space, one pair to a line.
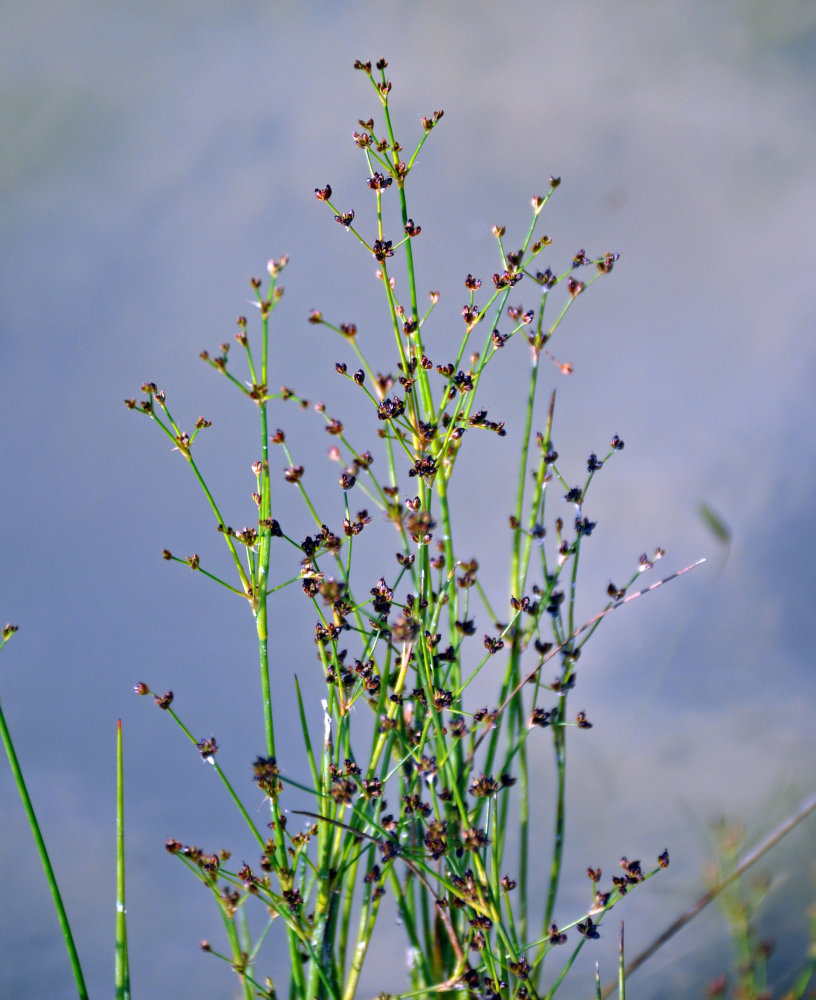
50,877
122,967
560,750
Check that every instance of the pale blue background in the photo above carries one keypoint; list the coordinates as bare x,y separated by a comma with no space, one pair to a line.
154,156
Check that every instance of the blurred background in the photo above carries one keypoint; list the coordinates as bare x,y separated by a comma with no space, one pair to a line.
155,155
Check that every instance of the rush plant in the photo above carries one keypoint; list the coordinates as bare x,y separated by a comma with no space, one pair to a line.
417,788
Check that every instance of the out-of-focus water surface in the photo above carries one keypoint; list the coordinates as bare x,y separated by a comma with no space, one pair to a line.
154,156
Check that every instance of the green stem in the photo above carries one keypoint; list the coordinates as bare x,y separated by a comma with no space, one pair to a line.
122,969
560,748
50,877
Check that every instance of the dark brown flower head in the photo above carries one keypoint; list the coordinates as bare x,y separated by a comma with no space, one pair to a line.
458,727
379,182
485,717
383,596
272,526
463,381
364,66
323,194
633,870
293,899
594,463
428,123
247,536
425,466
575,287
507,279
554,182
617,444
411,229
342,790
539,717
583,526
346,219
556,937
420,524
414,806
436,838
371,788
141,688
520,968
390,409
208,748
498,231
474,839
546,278
608,262
382,249
493,645
373,874
265,775
426,767
587,929
442,699
164,701
663,859
483,787
293,473
621,883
